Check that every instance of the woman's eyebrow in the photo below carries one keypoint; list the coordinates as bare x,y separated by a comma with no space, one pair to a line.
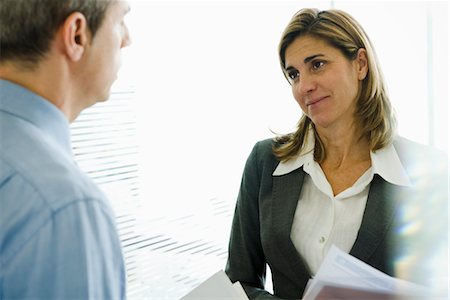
306,60
309,58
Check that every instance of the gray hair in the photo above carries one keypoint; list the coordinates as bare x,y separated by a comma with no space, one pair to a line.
28,26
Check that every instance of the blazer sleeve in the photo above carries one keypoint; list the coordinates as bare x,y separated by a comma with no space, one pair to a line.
246,261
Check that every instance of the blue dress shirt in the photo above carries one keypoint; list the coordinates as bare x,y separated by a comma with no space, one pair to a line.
58,237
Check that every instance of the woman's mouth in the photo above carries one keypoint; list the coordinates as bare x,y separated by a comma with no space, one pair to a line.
315,100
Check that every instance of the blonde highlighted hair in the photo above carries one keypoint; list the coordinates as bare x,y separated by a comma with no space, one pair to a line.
374,111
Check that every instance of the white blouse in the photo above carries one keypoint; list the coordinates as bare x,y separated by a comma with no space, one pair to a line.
322,219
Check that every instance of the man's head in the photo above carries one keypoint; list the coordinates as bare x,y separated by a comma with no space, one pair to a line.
66,51
28,26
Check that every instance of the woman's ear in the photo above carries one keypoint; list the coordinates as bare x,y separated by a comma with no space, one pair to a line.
75,35
362,63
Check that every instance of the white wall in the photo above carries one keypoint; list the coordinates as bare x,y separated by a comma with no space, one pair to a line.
209,85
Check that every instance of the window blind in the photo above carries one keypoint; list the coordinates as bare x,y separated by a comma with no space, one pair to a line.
165,255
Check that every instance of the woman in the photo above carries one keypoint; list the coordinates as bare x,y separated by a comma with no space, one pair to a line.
340,178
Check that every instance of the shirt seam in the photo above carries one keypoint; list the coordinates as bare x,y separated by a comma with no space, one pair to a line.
53,211
51,217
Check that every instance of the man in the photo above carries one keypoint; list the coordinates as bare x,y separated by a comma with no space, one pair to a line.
58,237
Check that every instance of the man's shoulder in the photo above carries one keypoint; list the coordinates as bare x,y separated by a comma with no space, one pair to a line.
48,173
34,198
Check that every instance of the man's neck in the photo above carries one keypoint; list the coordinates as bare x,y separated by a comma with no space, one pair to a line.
44,80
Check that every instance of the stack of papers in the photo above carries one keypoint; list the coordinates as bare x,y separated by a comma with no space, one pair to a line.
218,286
342,276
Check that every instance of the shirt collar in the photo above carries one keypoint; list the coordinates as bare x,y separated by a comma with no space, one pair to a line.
385,162
24,104
306,155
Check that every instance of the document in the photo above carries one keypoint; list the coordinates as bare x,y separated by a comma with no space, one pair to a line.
218,286
342,276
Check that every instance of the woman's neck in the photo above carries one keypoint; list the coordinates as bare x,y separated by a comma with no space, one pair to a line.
346,145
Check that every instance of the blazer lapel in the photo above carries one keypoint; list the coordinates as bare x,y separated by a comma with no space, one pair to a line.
285,195
377,220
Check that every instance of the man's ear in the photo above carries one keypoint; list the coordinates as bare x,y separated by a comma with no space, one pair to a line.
75,36
362,63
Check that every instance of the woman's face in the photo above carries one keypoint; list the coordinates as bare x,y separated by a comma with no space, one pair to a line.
324,82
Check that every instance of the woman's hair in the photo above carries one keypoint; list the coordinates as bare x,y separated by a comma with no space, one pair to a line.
28,26
374,111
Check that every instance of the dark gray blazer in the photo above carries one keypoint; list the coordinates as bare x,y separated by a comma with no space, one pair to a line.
266,205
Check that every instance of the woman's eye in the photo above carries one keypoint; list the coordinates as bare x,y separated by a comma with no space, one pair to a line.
317,65
293,74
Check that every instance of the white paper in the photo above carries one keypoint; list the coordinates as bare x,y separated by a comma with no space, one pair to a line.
343,270
218,286
238,287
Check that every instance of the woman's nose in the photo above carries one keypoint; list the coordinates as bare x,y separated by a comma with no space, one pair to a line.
306,84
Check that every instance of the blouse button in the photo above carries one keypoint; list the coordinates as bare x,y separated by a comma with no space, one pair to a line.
322,239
